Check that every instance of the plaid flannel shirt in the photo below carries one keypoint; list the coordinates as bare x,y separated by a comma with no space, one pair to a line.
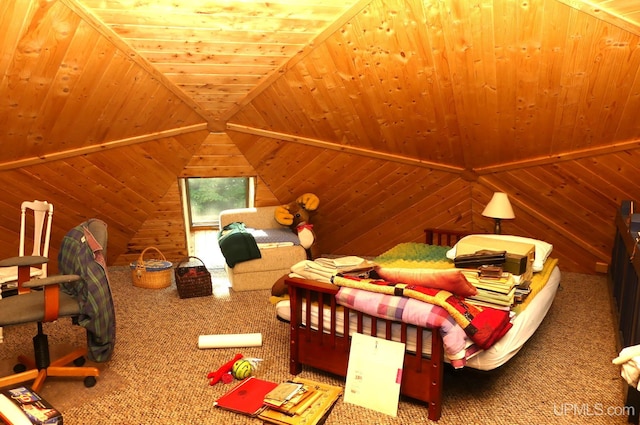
81,254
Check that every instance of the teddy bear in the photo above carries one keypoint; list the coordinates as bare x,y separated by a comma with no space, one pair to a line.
296,216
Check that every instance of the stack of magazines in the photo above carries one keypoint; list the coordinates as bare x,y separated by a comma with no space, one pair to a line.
299,401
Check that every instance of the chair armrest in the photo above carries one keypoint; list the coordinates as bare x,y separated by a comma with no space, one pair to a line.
26,260
51,280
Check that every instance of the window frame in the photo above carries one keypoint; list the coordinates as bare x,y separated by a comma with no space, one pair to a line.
249,199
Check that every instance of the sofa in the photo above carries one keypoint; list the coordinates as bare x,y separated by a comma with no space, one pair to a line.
275,261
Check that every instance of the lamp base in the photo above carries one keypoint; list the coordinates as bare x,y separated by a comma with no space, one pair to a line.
497,229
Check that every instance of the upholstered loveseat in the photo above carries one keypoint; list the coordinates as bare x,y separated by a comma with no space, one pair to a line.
260,273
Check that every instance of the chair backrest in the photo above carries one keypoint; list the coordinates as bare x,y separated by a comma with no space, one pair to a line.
37,215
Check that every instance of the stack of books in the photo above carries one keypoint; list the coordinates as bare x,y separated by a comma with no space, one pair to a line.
299,401
495,291
288,397
522,291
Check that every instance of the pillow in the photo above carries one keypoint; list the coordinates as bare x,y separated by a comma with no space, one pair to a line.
451,280
543,249
275,235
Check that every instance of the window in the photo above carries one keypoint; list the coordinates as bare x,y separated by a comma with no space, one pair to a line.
206,197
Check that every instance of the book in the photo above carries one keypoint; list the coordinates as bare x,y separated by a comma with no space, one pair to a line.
282,393
23,406
313,410
496,298
289,397
247,397
504,284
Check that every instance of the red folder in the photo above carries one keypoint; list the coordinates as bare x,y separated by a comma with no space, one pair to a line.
247,397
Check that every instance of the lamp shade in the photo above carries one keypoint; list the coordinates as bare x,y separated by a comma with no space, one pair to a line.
499,207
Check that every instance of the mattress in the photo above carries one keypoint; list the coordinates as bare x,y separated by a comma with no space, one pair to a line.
524,325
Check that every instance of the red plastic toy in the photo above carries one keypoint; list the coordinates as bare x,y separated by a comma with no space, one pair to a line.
216,376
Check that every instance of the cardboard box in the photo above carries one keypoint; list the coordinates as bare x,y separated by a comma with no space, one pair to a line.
520,255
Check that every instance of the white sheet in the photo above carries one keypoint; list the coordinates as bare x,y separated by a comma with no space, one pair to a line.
524,325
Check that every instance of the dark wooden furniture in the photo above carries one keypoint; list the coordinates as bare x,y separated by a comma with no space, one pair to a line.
443,237
326,348
624,272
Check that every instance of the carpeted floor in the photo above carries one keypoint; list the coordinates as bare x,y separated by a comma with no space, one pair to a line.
157,375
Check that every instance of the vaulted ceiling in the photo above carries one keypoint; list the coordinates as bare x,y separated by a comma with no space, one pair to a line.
400,114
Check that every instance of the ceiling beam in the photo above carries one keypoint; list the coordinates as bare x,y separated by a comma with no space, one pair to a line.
597,11
9,165
564,156
343,148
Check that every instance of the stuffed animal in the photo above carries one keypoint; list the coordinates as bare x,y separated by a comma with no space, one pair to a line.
296,216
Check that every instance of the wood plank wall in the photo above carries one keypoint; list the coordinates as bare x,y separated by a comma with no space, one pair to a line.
217,156
400,115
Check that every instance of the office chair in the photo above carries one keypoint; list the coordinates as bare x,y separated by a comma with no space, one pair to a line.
63,295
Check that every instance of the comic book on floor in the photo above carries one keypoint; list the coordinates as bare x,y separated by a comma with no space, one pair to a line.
23,406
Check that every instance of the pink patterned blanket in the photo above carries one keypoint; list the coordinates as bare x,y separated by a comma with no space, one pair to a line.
415,312
483,325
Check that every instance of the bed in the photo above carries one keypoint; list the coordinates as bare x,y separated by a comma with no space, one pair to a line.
325,343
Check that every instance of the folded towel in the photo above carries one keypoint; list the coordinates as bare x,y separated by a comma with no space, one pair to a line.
313,271
339,262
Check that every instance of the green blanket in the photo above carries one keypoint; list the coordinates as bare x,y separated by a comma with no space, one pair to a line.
237,244
415,255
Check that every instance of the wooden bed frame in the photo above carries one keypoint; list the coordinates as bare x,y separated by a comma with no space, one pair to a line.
323,348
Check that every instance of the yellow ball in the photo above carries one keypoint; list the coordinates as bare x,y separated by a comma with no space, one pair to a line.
242,369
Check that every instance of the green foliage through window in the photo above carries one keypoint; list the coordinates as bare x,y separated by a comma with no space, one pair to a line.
209,196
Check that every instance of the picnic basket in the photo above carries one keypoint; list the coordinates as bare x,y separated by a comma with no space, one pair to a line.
192,279
154,273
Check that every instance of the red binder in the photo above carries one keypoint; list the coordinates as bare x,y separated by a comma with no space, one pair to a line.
247,397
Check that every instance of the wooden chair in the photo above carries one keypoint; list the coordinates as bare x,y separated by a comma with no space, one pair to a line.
35,216
35,226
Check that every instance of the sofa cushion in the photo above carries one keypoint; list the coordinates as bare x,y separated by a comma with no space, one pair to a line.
273,259
275,236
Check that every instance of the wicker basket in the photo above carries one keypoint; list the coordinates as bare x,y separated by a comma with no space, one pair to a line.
154,274
193,280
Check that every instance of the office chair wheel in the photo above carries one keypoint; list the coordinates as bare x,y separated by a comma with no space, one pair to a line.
19,368
89,381
79,361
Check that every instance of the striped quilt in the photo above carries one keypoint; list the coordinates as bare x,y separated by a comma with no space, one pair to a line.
411,311
483,325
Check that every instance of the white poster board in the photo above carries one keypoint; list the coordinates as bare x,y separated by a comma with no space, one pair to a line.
374,373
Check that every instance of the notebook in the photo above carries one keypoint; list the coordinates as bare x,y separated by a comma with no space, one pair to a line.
247,397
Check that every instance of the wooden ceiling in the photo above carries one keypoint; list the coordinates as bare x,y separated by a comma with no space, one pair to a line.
217,52
400,114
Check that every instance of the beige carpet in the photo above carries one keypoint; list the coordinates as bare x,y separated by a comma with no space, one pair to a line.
157,375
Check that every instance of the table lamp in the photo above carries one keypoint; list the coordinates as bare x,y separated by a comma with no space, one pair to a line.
499,209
